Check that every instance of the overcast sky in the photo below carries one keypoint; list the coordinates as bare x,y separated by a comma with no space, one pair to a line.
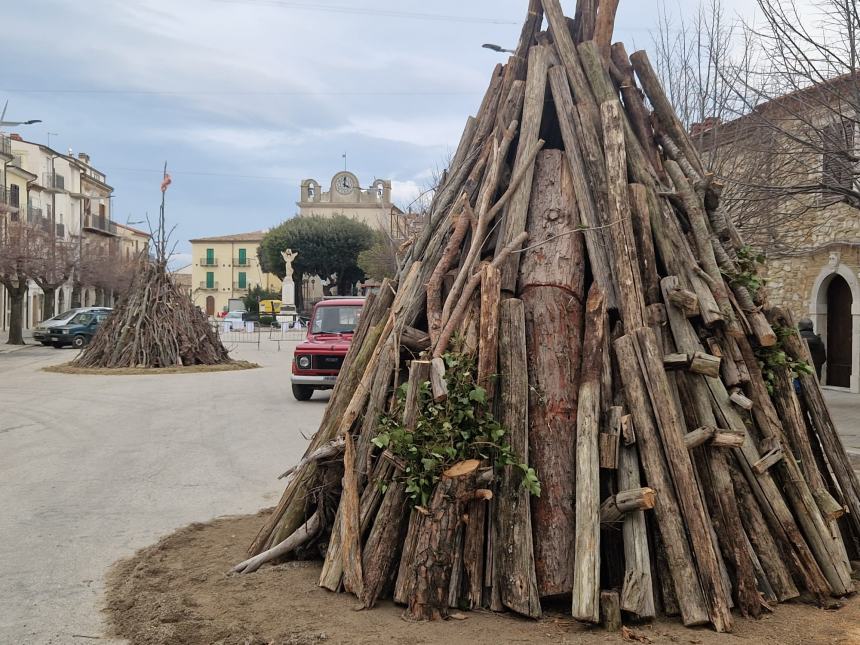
245,98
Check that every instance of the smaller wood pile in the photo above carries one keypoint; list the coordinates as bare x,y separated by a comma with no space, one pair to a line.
580,254
154,325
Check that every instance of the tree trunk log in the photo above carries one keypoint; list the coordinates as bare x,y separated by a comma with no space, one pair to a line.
637,591
513,547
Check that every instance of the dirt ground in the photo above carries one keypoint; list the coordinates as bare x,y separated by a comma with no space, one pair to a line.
179,591
68,368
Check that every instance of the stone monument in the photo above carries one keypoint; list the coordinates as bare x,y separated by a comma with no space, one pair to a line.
288,290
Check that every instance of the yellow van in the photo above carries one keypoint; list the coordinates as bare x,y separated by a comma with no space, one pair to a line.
269,307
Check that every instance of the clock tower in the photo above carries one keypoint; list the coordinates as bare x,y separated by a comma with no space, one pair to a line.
346,196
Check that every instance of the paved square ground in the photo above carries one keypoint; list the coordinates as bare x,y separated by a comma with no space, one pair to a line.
94,467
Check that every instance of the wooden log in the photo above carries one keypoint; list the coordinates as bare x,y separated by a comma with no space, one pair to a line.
452,251
663,108
419,373
699,436
551,283
586,571
685,300
515,214
671,428
589,217
605,25
383,547
415,340
676,362
738,398
644,237
332,448
610,610
433,557
488,349
673,536
637,591
353,579
473,553
628,432
610,436
634,105
623,256
513,549
765,546
614,508
585,20
438,384
403,581
702,363
302,535
728,439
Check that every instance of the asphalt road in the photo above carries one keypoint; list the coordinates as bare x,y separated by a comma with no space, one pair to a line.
93,468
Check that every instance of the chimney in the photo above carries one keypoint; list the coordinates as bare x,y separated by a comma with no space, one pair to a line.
708,124
15,137
83,156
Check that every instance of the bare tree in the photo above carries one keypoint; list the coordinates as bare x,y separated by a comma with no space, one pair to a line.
51,268
18,253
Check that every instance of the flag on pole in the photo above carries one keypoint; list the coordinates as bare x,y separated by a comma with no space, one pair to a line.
165,182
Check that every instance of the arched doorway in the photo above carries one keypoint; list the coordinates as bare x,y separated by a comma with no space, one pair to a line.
839,332
210,305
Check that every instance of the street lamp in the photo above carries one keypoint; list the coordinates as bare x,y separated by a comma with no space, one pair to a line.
497,48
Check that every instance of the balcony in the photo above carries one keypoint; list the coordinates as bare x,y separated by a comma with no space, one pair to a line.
239,262
99,224
6,147
53,182
208,262
5,206
242,287
34,215
208,286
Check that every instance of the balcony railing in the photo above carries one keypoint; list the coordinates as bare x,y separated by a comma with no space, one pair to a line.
208,262
209,286
34,214
239,262
4,195
241,287
53,181
5,145
99,223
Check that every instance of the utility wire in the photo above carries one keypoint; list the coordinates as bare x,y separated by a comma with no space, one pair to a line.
35,90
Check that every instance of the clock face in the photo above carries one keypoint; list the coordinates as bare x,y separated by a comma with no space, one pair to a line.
344,184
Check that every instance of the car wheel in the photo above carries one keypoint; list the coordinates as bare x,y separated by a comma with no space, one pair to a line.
303,392
79,342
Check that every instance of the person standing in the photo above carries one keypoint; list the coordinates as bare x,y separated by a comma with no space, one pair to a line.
815,344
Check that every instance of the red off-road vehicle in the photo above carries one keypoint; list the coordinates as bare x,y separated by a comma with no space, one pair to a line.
318,359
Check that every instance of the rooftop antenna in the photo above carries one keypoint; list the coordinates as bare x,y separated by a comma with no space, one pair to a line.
344,160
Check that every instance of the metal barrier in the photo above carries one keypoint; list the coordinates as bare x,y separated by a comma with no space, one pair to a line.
231,335
287,333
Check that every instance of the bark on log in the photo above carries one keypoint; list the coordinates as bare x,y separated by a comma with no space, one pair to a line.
614,508
610,610
513,547
702,363
383,547
637,591
488,349
353,579
679,558
304,533
610,435
586,572
644,237
551,288
515,214
438,384
429,572
419,373
605,25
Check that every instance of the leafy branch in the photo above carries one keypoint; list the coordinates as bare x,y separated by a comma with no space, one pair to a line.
448,432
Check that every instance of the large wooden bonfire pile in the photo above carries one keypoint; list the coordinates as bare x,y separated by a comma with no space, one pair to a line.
578,250
154,325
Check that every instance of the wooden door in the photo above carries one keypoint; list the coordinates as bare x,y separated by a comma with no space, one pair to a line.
210,305
839,350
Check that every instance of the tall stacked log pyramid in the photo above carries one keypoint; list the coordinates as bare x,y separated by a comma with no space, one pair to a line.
578,250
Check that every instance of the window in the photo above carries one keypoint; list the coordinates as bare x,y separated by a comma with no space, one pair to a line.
311,191
101,210
210,257
210,279
243,280
379,190
14,195
243,257
837,168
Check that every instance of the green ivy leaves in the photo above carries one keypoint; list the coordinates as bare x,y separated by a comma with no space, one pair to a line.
445,433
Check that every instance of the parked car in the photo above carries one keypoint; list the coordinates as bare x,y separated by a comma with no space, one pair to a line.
317,361
42,333
235,318
78,331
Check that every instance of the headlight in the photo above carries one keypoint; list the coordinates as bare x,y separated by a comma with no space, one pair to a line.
304,362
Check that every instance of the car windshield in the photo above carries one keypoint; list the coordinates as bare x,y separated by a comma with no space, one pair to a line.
235,314
336,319
83,318
63,316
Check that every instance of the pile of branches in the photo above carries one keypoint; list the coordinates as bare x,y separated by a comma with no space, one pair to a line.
580,282
154,325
